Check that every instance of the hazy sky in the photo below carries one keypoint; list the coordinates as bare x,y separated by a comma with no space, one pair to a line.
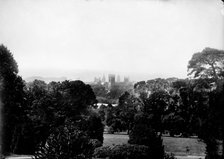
84,38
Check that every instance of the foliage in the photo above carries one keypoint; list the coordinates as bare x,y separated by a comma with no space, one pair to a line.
154,85
130,152
41,114
169,156
93,126
51,105
173,123
111,118
77,97
208,66
209,63
158,84
157,104
8,64
127,108
126,151
99,90
141,89
179,84
115,92
102,113
102,152
123,151
13,100
212,130
142,133
66,142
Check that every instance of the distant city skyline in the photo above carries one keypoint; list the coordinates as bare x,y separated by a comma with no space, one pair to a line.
85,76
141,39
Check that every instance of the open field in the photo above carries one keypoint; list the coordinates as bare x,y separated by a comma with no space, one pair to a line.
19,157
185,147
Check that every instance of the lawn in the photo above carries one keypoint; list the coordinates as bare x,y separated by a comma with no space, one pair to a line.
178,146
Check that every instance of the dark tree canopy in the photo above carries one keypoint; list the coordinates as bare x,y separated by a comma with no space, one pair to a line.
207,64
7,62
12,100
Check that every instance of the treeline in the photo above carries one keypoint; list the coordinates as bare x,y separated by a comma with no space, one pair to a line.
177,106
46,119
192,106
61,119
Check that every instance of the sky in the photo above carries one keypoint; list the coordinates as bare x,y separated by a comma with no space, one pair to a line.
80,39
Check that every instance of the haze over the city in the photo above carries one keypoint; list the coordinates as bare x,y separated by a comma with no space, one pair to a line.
82,39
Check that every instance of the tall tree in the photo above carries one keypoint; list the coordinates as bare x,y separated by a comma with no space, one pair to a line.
12,100
156,106
128,106
207,64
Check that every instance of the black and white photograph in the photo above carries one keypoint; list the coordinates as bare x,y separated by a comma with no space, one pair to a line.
111,79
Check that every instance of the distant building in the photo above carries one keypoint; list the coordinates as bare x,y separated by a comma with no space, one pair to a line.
111,78
126,80
103,79
97,80
118,79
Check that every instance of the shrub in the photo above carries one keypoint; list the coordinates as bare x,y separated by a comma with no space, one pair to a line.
169,156
126,151
67,142
102,152
143,134
95,127
96,143
111,130
130,152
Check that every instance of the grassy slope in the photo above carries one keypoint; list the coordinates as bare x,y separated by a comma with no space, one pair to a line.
178,146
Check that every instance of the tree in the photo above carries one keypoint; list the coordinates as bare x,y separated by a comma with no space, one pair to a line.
51,105
127,108
212,131
8,64
12,100
102,112
156,105
99,90
66,142
141,89
37,89
111,118
207,64
142,133
93,126
77,97
158,84
115,92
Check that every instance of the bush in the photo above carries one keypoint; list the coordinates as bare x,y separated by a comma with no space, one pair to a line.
143,134
67,142
130,152
95,127
102,152
169,156
96,143
91,124
122,152
111,130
